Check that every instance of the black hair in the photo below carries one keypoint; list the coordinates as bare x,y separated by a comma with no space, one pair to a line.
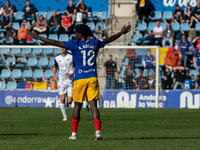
83,29
177,5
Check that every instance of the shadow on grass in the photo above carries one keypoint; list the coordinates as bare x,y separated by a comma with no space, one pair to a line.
153,138
16,134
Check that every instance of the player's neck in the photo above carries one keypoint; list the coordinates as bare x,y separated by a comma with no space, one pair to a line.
64,54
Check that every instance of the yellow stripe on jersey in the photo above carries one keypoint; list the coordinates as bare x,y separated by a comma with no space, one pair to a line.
142,3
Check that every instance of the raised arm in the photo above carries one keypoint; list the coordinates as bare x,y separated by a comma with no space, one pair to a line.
124,30
49,41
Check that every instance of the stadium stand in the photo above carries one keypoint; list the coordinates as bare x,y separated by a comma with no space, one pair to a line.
11,85
5,74
43,62
38,74
16,74
32,62
157,15
27,74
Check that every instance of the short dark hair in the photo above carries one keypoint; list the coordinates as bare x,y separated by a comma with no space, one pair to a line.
177,5
65,14
83,29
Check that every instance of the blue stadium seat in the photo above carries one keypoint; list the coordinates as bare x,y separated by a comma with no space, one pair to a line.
5,50
9,60
16,73
56,51
146,41
136,37
164,25
142,26
49,14
126,62
3,85
185,27
64,37
197,26
167,15
104,15
3,30
57,73
2,35
22,59
175,26
15,51
194,72
11,85
72,35
27,74
94,15
41,13
77,23
61,12
43,62
48,74
42,35
16,25
122,74
51,62
36,51
151,26
91,25
157,15
18,15
32,62
38,74
5,74
47,51
26,51
102,25
137,70
53,37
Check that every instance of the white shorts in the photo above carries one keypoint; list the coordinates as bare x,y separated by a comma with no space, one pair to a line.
65,89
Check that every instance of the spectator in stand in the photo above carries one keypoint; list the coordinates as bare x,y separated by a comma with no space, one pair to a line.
197,83
99,33
129,76
111,68
152,83
197,62
41,25
67,23
174,59
29,85
186,47
10,34
7,13
166,77
28,11
71,10
130,53
54,22
157,34
168,35
22,33
82,8
196,42
148,62
51,84
192,31
188,83
180,76
140,84
178,14
1,9
197,10
187,13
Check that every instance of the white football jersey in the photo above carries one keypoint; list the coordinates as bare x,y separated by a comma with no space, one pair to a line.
65,65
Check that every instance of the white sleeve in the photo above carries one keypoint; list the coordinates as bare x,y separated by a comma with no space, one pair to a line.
1,11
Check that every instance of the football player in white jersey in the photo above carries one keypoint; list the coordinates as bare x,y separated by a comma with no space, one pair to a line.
64,62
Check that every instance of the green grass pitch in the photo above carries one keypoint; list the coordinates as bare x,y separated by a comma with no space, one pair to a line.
43,128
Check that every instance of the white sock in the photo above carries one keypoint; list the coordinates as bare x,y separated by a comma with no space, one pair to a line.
63,109
73,133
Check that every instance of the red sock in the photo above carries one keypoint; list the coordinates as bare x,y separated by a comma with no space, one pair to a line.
74,125
97,124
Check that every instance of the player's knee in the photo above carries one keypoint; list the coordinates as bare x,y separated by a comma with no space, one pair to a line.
69,100
62,100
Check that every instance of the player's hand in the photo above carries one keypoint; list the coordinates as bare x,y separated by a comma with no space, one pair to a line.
55,77
33,35
126,29
67,74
